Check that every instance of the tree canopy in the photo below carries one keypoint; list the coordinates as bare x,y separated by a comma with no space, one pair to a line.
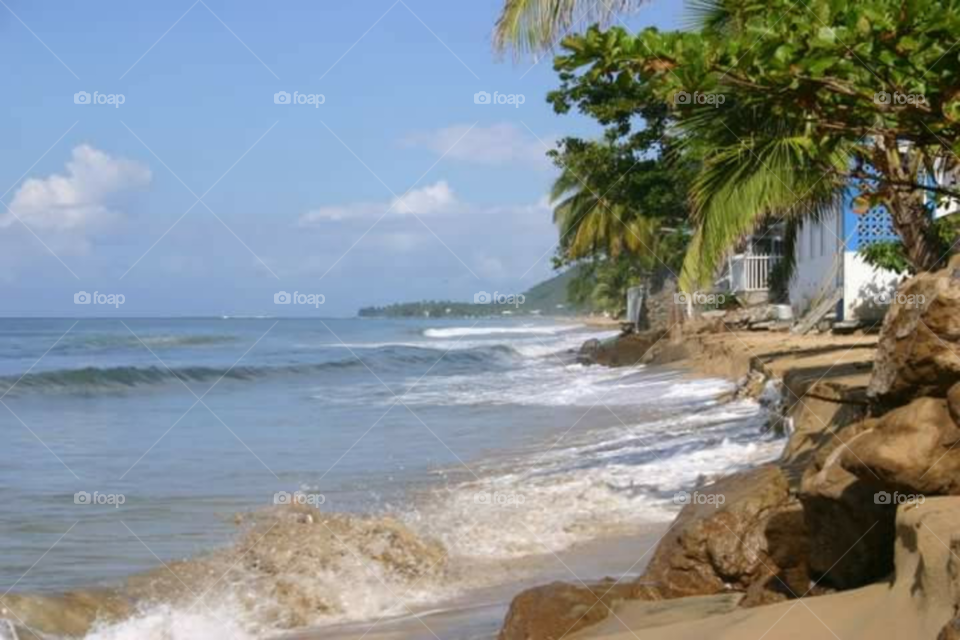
783,108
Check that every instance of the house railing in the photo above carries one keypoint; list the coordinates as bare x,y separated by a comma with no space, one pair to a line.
751,272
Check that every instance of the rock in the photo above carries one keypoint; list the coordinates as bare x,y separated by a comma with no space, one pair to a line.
756,539
639,614
753,316
851,537
927,565
912,449
624,351
950,631
919,349
953,403
558,609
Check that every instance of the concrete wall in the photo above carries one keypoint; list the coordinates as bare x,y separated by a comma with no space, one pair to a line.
866,290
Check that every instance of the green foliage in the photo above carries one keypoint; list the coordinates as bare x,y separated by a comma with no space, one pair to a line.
601,284
438,309
620,206
886,254
802,116
555,291
549,297
535,25
890,254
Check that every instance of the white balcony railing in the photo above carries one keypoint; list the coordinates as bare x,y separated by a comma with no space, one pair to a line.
751,272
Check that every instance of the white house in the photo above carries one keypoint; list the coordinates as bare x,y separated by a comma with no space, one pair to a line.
747,271
827,262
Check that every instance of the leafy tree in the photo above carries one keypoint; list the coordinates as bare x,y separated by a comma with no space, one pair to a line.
783,107
621,213
609,201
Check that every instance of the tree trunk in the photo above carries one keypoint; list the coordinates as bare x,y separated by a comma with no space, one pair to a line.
907,205
912,222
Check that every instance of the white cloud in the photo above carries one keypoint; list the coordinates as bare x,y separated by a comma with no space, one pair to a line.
79,198
432,199
437,198
498,144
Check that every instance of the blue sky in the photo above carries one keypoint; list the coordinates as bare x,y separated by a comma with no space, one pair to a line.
398,187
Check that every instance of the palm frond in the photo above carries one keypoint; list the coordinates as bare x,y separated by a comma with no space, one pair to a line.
756,168
534,26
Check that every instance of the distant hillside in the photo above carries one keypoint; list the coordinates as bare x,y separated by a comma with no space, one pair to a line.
546,298
550,293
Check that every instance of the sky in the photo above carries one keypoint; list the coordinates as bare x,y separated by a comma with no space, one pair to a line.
198,159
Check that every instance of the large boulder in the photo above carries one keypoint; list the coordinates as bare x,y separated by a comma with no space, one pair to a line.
558,609
851,491
627,350
755,541
919,349
911,449
851,536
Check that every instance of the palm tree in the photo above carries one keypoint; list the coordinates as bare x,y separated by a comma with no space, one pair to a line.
756,168
536,25
590,224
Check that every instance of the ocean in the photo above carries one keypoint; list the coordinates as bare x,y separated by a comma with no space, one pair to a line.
451,461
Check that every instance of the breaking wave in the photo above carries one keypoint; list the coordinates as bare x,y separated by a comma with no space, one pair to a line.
91,380
456,332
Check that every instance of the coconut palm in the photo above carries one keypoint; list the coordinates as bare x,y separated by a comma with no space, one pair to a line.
756,168
590,224
536,25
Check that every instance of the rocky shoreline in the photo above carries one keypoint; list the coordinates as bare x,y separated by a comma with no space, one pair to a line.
867,416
